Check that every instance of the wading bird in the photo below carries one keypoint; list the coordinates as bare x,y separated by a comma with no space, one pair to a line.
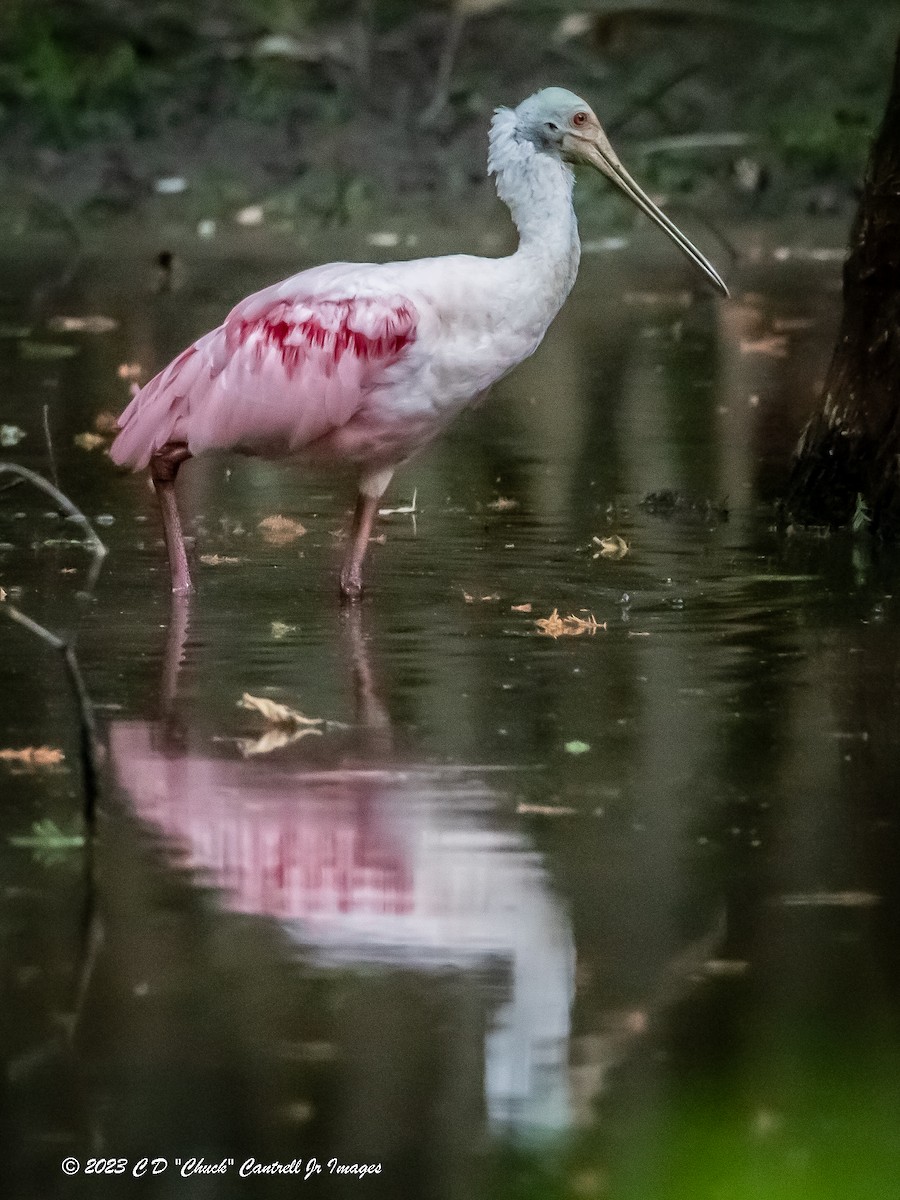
362,364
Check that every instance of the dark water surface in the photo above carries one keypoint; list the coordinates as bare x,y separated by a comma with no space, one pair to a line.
612,914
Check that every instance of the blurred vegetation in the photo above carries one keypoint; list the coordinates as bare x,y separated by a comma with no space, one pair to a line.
389,98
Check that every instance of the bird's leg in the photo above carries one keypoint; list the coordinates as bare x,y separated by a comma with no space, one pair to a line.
371,488
163,468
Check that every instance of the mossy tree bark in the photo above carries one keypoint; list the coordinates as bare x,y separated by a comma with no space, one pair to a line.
849,453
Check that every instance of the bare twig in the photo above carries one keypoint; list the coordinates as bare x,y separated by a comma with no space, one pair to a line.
50,453
91,750
61,499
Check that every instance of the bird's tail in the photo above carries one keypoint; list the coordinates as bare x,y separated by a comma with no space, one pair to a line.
157,414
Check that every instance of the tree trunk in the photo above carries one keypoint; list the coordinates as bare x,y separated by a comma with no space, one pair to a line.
847,464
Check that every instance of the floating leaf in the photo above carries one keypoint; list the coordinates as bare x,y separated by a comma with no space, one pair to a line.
129,370
220,560
520,607
253,214
274,739
11,435
571,626
47,350
106,422
774,346
545,810
280,629
503,504
280,531
46,835
92,324
34,756
277,714
89,441
576,747
611,547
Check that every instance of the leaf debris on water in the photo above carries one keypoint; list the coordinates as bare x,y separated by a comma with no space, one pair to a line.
220,560
91,324
828,899
274,739
34,756
106,422
488,599
774,346
611,547
503,504
404,510
280,531
89,441
570,626
11,435
47,350
281,629
46,835
129,370
545,810
576,747
520,608
275,713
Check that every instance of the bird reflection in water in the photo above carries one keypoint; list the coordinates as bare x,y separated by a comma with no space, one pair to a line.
389,865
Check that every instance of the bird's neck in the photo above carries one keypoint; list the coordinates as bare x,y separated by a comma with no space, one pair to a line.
537,189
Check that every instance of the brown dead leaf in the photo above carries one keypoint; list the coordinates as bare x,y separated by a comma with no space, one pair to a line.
129,370
503,504
612,546
274,739
89,441
571,626
34,756
774,346
106,422
220,560
92,324
470,599
275,713
520,607
2,594
280,531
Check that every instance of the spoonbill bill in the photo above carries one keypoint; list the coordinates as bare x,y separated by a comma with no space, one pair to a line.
361,364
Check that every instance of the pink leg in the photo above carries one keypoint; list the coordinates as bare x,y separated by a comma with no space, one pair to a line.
363,520
163,469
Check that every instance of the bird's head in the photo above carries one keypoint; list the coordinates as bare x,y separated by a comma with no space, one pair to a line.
560,123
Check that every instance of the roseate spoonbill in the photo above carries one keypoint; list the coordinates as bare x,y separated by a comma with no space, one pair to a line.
361,364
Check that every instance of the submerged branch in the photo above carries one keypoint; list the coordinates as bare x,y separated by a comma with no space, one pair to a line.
98,548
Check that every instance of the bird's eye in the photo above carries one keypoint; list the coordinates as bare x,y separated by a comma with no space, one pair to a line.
580,118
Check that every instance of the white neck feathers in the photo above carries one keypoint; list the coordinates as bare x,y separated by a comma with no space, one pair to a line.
536,187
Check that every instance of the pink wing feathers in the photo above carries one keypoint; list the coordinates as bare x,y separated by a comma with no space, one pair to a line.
282,371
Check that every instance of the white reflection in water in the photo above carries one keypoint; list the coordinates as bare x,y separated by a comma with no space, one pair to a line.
393,868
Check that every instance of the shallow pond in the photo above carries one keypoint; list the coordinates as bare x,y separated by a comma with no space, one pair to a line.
601,908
